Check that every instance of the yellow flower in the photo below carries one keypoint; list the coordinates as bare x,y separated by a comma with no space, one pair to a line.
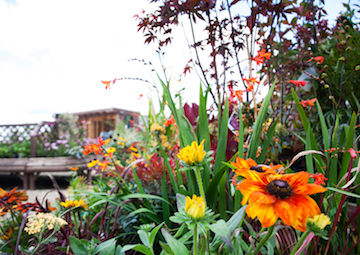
92,163
192,154
318,222
74,203
195,207
156,127
111,150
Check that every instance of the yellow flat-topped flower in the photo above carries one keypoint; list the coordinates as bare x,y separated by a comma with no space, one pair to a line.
195,207
74,203
193,154
273,196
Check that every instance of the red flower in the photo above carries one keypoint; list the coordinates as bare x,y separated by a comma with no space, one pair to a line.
298,83
309,102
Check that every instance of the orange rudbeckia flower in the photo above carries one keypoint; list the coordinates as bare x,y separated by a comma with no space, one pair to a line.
273,196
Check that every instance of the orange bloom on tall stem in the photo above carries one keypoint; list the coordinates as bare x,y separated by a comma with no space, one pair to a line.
309,102
318,59
298,83
107,84
273,196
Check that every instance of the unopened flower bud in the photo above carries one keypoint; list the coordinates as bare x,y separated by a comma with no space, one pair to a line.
326,86
357,68
318,222
324,75
348,48
342,59
343,42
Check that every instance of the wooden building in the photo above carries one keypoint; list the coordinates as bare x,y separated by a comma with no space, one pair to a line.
105,120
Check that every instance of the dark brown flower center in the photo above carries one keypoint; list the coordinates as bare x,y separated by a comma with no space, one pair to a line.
279,188
257,169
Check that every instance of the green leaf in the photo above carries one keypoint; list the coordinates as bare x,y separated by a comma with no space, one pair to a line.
153,234
137,247
211,191
166,248
344,192
348,144
77,246
106,248
255,136
176,246
144,237
266,143
309,157
221,229
222,137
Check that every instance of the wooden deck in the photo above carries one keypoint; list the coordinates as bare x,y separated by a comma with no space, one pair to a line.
28,169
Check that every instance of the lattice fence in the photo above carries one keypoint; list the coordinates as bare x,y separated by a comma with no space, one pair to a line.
33,135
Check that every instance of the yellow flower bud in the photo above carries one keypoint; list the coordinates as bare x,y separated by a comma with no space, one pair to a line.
195,207
319,222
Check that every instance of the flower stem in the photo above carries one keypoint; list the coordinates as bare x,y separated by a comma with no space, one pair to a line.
300,242
264,240
195,240
199,181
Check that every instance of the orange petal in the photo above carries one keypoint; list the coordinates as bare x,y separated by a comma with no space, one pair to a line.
261,197
247,187
286,210
297,179
306,208
264,212
309,189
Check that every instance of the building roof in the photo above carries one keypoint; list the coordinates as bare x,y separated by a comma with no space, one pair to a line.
103,112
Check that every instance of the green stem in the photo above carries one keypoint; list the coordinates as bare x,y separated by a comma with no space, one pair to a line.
195,240
199,181
264,240
300,242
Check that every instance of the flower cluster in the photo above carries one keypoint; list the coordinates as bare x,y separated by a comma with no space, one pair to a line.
37,222
271,196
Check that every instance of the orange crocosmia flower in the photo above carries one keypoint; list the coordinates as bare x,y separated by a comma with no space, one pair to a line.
263,54
318,59
298,83
107,84
309,102
251,80
273,196
250,88
319,179
258,60
73,168
238,94
169,121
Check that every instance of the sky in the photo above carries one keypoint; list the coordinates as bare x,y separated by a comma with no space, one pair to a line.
54,55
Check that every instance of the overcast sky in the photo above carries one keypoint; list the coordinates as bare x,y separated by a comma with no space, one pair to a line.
54,54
